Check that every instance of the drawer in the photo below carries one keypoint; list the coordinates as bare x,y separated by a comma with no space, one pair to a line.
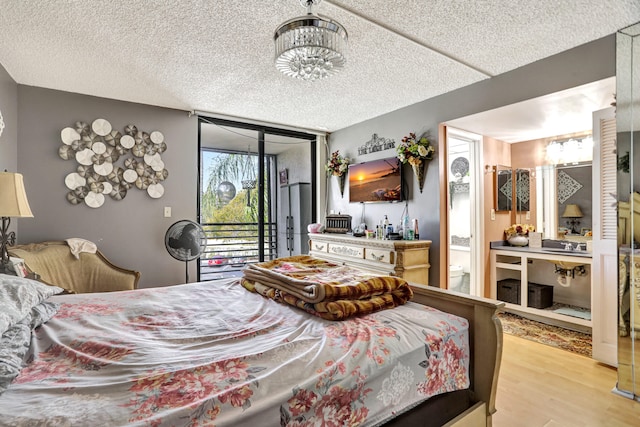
346,250
379,255
318,246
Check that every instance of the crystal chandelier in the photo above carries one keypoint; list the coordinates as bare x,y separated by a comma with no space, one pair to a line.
310,47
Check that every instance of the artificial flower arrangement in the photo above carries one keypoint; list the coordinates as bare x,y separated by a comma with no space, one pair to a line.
337,164
415,150
519,229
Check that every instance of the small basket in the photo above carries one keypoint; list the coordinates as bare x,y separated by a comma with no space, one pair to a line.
539,296
509,291
338,224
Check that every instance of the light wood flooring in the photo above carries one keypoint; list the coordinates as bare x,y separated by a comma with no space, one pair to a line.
542,386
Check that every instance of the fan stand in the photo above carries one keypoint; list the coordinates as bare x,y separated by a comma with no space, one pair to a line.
186,271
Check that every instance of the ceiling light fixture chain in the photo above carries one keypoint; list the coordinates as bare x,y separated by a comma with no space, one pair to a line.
309,4
249,180
310,47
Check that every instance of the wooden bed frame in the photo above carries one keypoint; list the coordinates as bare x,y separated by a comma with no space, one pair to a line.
485,332
476,407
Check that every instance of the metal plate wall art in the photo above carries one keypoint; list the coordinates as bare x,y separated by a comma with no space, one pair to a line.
110,162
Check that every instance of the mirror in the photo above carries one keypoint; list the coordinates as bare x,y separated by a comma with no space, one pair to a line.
523,192
503,188
628,119
575,189
563,203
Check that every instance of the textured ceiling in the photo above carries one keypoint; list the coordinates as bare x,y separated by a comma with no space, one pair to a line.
217,56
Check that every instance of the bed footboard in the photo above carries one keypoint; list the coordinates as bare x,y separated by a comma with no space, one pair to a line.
485,332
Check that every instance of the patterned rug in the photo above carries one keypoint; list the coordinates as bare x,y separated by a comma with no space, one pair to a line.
565,339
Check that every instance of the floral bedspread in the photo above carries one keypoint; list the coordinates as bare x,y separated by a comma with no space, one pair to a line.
214,354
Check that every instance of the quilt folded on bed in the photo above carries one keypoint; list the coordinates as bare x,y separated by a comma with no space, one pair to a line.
324,288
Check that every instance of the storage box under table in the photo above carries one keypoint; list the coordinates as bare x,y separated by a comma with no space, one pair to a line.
509,291
538,296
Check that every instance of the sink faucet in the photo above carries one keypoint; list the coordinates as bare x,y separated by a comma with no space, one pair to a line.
567,246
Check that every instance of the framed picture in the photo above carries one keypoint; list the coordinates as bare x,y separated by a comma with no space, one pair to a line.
284,177
584,231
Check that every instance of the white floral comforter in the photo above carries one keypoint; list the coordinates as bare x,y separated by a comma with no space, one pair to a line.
215,354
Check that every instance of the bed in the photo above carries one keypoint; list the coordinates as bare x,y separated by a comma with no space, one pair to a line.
212,353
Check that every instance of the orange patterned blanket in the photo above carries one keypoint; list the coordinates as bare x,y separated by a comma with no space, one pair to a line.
325,289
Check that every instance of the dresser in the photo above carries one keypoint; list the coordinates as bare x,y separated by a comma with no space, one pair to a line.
408,259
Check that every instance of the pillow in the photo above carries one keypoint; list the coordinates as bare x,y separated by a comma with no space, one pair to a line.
18,296
14,343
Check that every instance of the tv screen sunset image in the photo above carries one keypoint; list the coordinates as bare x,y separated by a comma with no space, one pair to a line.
375,181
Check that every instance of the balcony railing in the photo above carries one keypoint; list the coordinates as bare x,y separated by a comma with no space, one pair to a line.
231,246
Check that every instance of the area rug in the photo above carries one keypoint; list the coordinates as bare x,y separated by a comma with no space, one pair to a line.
565,339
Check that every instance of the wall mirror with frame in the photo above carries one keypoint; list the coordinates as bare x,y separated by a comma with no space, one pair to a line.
523,190
503,191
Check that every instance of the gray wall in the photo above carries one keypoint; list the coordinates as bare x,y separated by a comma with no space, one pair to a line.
9,137
9,109
584,64
129,232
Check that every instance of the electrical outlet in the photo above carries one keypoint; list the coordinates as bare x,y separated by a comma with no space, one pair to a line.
528,215
167,211
493,214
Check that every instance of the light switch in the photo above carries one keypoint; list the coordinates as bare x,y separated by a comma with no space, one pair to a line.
528,214
493,214
167,211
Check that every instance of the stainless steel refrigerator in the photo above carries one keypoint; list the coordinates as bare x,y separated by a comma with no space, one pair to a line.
294,215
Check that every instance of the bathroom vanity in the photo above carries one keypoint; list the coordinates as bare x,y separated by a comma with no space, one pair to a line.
530,279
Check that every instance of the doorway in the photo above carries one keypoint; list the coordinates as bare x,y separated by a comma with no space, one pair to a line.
464,211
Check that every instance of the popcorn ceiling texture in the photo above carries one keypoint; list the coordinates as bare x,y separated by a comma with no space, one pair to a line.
217,56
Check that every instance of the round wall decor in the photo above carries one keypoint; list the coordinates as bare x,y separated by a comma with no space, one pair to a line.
155,190
130,175
94,200
111,162
157,137
101,127
85,157
68,135
74,180
127,141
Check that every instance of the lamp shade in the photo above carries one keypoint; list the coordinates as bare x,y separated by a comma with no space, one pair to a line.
13,198
572,211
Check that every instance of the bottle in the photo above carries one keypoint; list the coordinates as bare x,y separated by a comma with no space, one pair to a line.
406,228
416,233
385,227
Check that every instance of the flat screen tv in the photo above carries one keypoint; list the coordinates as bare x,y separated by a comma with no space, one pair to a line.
376,181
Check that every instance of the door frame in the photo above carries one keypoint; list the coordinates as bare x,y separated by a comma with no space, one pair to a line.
476,193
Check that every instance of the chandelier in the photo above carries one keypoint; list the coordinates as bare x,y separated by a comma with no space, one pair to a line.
310,47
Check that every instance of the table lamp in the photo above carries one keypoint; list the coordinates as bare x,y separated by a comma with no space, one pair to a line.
13,203
572,212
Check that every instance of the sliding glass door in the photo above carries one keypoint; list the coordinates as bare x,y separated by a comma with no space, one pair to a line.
247,175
